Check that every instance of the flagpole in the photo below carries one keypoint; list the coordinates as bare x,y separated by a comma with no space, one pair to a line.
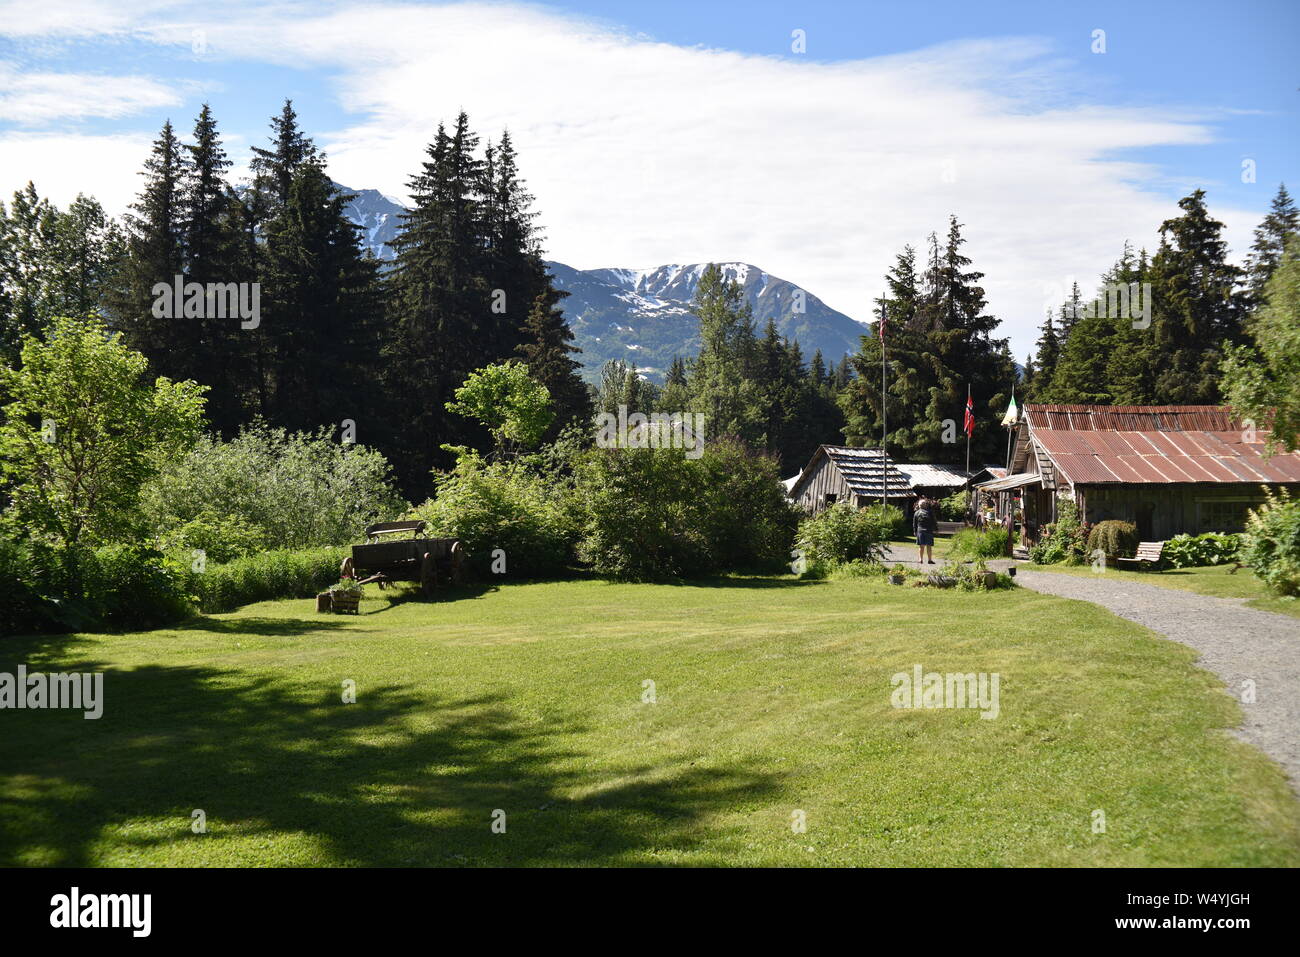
968,432
1010,429
884,455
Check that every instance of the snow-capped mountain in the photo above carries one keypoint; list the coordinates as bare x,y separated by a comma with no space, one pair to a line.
643,315
377,215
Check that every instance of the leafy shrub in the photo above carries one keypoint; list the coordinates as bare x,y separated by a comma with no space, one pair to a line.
953,508
221,538
974,543
641,515
747,517
23,607
508,506
1114,539
653,513
266,576
134,586
891,517
114,587
1271,543
1195,551
841,534
1063,541
973,577
270,489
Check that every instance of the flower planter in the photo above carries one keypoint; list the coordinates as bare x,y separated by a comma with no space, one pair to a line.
897,579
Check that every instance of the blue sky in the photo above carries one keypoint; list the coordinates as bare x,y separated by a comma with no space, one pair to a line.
679,132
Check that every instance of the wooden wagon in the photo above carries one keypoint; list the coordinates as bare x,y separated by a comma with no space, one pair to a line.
386,558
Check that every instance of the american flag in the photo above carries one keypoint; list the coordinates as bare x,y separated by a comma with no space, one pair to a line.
881,329
969,425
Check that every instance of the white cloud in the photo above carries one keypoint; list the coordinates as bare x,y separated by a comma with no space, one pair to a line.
642,152
65,164
35,98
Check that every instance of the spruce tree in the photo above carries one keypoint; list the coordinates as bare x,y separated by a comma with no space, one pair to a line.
1196,307
548,352
1282,222
154,253
322,311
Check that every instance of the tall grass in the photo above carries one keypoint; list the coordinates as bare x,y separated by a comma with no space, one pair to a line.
266,576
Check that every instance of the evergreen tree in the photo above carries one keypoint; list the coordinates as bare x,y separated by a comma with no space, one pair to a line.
321,308
154,254
1196,309
817,372
1282,222
722,377
935,350
547,351
211,350
274,168
1048,353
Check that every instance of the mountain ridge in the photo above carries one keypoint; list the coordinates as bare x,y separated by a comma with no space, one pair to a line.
643,316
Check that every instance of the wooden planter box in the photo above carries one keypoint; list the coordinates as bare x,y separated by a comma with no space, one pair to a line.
345,602
338,602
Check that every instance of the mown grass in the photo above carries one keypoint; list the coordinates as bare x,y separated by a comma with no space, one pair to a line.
1218,580
771,696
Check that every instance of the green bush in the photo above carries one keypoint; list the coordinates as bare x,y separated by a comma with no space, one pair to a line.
747,517
1195,551
891,517
974,543
1271,543
115,587
23,607
268,489
841,534
508,506
1063,541
953,508
654,513
1113,538
266,576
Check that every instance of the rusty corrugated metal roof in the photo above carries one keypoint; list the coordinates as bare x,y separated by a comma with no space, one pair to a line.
1133,418
869,472
1155,444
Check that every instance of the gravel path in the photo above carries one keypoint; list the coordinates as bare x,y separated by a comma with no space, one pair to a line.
1237,643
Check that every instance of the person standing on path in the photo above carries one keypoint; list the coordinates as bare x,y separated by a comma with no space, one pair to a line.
925,523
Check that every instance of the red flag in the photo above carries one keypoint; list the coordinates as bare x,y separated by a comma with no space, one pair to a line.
969,425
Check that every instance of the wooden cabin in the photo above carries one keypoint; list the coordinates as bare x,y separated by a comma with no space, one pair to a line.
1166,469
861,477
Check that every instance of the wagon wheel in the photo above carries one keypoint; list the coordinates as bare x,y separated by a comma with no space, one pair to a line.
345,569
428,575
457,556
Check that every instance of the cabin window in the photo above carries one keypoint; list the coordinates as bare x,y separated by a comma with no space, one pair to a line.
1224,516
830,498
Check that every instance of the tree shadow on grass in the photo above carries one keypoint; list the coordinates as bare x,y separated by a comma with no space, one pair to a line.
271,627
288,774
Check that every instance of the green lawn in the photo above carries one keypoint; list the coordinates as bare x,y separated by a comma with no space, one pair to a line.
1219,581
772,696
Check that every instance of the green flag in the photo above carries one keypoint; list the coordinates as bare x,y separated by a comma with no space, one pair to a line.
1013,411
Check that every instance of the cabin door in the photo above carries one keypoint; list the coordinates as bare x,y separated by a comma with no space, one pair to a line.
1145,521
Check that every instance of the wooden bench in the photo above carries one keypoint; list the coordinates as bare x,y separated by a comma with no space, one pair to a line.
379,529
1148,554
